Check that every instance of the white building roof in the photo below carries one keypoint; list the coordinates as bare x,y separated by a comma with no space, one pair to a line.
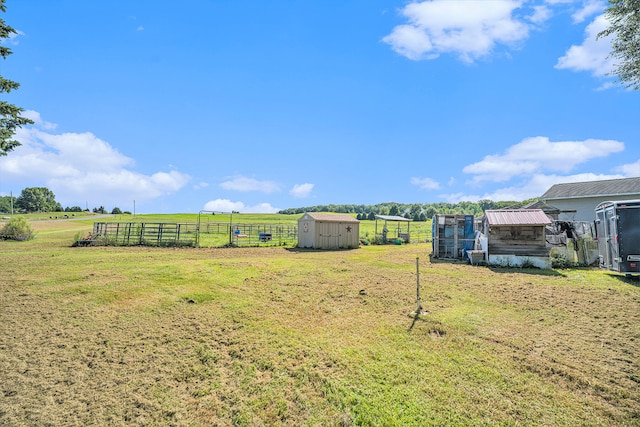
610,187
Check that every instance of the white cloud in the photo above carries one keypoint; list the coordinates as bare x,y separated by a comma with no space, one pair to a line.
140,28
226,205
80,167
541,183
410,41
538,154
121,184
589,8
535,186
592,54
540,15
12,38
261,208
223,205
630,169
301,191
201,185
35,116
425,183
459,197
468,29
242,183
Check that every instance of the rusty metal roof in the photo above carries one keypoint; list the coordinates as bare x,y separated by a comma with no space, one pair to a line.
517,217
330,217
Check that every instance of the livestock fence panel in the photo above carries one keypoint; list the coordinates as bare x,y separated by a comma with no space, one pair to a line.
247,234
189,234
145,233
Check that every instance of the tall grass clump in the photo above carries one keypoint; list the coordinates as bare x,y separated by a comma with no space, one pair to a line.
17,228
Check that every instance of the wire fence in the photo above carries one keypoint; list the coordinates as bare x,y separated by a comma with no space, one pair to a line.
188,234
144,234
243,234
216,234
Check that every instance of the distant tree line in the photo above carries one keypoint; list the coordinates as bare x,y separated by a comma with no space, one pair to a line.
41,199
415,211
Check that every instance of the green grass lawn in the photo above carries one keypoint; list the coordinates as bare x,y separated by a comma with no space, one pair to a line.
419,231
280,336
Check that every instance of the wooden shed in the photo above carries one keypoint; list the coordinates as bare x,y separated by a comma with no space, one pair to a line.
516,237
328,231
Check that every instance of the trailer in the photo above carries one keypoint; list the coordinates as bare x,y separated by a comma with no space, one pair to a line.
618,234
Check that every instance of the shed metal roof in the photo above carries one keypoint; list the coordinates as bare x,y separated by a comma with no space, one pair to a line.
541,205
392,218
331,217
517,217
609,187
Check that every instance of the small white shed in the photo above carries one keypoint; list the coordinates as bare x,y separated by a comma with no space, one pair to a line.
328,231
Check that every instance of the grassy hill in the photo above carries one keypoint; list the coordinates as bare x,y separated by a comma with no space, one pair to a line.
280,336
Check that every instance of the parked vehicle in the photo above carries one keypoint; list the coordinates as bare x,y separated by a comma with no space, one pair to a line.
618,234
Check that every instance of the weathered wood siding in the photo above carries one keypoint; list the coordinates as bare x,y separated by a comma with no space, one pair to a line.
522,240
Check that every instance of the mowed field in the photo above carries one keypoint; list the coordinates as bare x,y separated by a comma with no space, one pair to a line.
279,336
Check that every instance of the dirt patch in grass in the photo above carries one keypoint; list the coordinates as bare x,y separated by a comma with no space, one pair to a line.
271,336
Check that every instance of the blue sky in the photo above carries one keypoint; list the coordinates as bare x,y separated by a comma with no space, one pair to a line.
257,106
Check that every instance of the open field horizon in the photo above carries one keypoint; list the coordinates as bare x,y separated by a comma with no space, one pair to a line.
420,231
282,336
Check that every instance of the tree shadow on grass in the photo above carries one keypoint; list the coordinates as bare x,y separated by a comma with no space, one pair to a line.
416,318
434,260
532,271
498,269
296,249
434,328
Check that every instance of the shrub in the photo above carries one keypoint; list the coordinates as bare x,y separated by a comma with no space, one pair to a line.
527,263
377,240
17,228
560,262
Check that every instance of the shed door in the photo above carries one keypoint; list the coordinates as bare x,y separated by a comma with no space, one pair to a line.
329,236
306,233
628,231
612,238
602,231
